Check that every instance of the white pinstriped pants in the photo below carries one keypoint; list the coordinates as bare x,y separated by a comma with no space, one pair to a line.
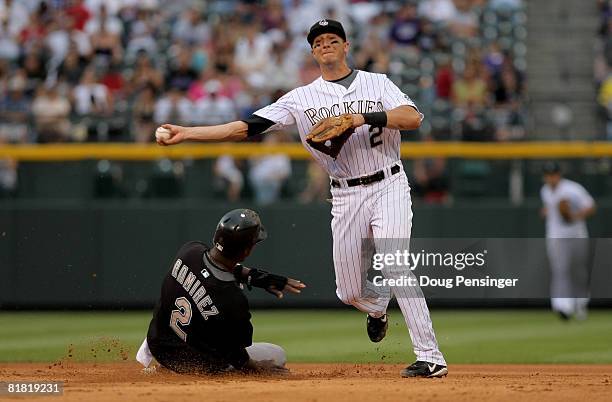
381,210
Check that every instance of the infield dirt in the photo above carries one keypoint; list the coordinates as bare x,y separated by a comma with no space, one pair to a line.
320,382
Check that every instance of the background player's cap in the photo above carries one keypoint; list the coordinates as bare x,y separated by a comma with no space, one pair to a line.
237,231
551,168
325,26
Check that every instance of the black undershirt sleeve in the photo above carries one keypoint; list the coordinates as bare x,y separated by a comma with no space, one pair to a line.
257,125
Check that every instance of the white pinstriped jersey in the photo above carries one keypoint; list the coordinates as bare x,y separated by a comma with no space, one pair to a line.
364,152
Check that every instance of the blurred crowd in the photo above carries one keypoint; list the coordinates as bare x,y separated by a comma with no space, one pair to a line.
603,64
112,70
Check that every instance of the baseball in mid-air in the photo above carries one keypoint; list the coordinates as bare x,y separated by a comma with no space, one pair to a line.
162,134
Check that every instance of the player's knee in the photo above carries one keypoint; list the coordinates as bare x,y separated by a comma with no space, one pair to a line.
279,355
260,351
349,299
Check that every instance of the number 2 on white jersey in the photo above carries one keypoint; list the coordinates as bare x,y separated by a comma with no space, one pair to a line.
181,317
375,132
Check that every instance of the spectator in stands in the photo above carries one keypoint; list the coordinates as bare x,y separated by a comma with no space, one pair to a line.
282,72
9,49
438,10
51,114
222,48
4,76
300,16
229,177
143,111
507,83
93,104
604,99
35,70
14,110
141,36
373,55
502,5
252,54
267,174
273,15
78,13
8,176
250,42
112,79
71,69
57,40
470,89
197,88
464,23
406,26
475,124
317,184
180,74
106,45
430,182
174,105
32,35
213,108
91,97
145,74
103,21
511,122
431,38
444,79
191,28
16,14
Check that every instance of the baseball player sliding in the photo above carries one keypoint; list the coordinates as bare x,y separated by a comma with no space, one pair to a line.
349,121
202,323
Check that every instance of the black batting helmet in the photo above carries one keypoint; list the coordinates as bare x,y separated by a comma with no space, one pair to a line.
237,231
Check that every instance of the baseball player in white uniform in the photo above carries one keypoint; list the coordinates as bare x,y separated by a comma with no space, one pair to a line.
568,255
371,194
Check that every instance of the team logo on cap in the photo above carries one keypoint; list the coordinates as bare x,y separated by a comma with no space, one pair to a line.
323,22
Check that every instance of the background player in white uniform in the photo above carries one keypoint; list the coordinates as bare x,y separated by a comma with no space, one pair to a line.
371,195
568,256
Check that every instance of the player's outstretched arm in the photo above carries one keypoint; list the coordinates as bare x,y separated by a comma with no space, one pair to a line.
401,118
271,283
234,131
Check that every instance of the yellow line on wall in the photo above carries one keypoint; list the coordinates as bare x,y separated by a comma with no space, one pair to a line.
409,150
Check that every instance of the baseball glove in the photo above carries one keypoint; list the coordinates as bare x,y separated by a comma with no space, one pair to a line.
565,210
336,129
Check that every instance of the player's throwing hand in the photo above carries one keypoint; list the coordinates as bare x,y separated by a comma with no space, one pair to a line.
174,135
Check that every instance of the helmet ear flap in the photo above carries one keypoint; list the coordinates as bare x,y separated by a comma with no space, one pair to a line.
262,235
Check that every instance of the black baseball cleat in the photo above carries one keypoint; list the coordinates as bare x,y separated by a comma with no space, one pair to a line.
564,316
425,370
377,327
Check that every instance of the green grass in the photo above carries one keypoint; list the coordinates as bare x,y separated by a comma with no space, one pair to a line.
489,336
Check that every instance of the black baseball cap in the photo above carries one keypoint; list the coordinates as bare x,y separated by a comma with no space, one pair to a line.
325,26
551,168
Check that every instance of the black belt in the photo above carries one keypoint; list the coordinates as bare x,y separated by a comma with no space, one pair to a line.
373,178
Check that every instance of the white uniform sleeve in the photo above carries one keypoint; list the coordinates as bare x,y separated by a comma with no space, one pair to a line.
394,97
582,197
280,112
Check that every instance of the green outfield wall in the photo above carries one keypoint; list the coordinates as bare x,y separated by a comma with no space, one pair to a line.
113,254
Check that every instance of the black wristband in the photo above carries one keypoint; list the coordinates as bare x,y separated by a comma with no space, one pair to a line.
375,119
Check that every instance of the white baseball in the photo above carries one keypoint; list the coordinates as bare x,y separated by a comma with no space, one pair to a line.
162,134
